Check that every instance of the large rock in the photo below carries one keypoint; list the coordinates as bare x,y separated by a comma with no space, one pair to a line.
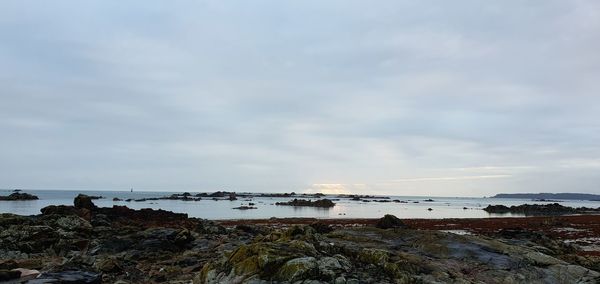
19,196
390,221
323,203
83,201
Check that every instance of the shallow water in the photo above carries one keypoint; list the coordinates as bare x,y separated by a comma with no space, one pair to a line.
443,207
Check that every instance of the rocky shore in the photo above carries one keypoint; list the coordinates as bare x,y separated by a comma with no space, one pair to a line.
87,244
540,209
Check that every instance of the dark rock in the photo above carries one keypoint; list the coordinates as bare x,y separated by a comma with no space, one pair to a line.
19,196
117,199
390,221
243,207
6,275
321,227
69,277
83,201
100,220
539,209
325,203
232,196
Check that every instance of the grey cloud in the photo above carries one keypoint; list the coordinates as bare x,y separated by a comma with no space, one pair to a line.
280,96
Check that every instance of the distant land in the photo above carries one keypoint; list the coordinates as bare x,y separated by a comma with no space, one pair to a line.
575,196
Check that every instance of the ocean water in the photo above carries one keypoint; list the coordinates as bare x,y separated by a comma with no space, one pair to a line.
443,207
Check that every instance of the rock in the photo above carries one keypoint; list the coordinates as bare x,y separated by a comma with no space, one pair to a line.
390,221
8,264
84,201
6,275
74,223
321,227
297,269
324,203
15,196
540,259
109,265
329,267
373,256
100,220
59,210
26,273
117,199
539,209
243,207
69,276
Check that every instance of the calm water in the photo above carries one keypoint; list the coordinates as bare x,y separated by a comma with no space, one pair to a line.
443,207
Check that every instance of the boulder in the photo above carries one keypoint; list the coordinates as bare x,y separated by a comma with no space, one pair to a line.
84,201
19,196
390,221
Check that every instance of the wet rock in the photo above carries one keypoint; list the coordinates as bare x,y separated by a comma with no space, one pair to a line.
243,207
540,259
325,203
74,223
109,265
6,275
297,269
83,201
539,209
100,220
28,239
59,210
390,221
321,228
373,256
69,276
15,196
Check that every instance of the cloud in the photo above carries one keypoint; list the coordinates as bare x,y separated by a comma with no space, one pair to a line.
448,178
274,96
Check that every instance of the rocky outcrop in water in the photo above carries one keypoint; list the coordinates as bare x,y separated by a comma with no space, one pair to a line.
15,196
325,203
539,209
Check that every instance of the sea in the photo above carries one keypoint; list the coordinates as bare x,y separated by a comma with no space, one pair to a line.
415,206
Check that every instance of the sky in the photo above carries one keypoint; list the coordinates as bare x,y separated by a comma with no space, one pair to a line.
438,98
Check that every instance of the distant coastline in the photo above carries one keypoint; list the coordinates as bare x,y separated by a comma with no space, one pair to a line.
568,196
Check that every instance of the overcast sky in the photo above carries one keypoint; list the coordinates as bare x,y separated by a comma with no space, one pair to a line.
451,98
